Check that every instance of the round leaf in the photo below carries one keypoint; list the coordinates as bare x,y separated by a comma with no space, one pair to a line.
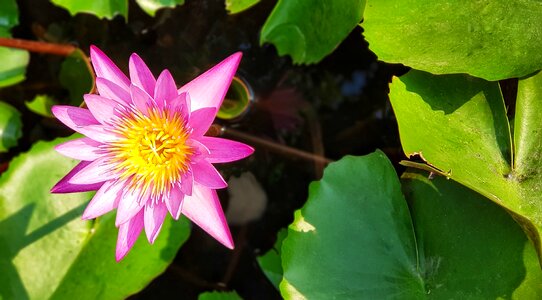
353,238
151,6
491,39
100,8
10,126
47,251
311,29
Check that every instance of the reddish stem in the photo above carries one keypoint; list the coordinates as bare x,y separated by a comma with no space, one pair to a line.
39,47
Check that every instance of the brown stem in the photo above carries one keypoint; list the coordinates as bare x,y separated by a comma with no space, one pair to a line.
39,47
217,130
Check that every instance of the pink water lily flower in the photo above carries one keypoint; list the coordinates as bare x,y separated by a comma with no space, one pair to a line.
145,151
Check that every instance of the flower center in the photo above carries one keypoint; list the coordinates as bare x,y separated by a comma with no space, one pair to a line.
152,152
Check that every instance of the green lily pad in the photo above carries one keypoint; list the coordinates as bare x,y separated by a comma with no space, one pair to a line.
48,252
151,6
10,126
219,296
76,76
491,39
41,105
354,242
458,124
311,29
271,263
13,62
237,6
100,8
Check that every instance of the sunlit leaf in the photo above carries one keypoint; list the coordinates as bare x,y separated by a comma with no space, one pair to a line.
491,39
41,105
237,6
10,126
48,252
151,6
219,296
100,8
13,62
458,124
311,29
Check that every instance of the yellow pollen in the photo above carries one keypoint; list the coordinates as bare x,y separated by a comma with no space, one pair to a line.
152,153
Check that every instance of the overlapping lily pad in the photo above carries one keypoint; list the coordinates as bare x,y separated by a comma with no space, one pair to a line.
48,252
13,62
10,126
491,39
311,29
356,238
458,124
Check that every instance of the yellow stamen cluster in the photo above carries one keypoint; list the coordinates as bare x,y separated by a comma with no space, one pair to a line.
152,153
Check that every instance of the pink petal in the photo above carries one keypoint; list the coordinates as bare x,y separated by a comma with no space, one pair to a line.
174,202
165,89
223,150
105,68
205,174
187,181
109,89
128,234
106,199
95,172
130,204
140,75
82,149
74,117
141,100
99,133
204,209
201,120
154,218
200,151
103,109
209,89
181,103
64,186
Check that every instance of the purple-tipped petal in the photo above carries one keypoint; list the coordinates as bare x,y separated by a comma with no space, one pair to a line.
105,68
109,89
187,181
103,109
95,172
205,174
141,100
74,117
209,89
223,150
201,120
140,75
130,204
165,89
82,149
154,218
174,202
204,209
64,186
128,234
106,199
